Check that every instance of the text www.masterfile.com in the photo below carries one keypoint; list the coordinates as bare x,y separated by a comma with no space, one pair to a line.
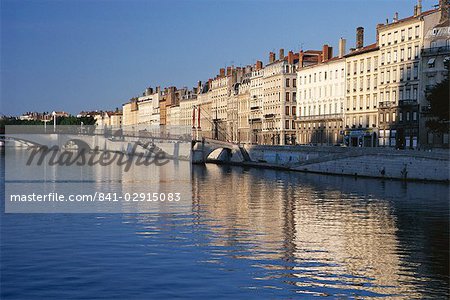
97,197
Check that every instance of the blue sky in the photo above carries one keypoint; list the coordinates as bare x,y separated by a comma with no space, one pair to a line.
86,55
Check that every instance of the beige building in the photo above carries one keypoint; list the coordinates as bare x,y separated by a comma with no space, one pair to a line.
130,113
321,99
361,103
400,45
108,119
256,91
279,100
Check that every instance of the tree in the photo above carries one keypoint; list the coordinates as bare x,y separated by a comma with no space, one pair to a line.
439,100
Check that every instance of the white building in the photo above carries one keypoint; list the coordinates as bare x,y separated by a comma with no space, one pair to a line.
321,97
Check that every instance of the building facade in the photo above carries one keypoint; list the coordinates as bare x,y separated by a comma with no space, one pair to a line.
321,99
435,59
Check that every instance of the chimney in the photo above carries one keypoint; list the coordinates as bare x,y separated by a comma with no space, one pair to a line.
379,25
444,8
222,72
395,19
419,7
342,44
258,65
209,84
359,37
271,57
300,59
290,57
281,54
325,53
228,71
199,85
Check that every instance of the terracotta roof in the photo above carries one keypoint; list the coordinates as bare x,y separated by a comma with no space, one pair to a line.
425,13
368,48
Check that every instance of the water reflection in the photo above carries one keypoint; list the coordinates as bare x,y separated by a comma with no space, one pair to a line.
328,235
243,233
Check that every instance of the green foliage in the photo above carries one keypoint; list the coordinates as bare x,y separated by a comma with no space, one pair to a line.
439,100
75,121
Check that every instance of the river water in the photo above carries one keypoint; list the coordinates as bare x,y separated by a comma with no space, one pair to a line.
242,234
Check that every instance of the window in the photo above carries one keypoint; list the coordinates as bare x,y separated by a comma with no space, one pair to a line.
395,37
361,102
361,83
286,124
408,73
388,76
382,77
367,101
407,116
414,116
394,96
375,81
389,38
375,100
387,117
400,116
382,58
431,62
355,66
402,54
395,56
294,96
402,35
416,51
361,66
287,96
293,124
368,83
294,82
393,117
409,33
375,63
388,57
287,83
417,32
416,71
409,52
348,69
354,102
402,74
381,118
415,93
294,112
368,65
394,75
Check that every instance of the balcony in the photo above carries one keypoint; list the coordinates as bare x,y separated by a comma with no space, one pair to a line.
436,50
321,117
407,102
385,104
269,116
